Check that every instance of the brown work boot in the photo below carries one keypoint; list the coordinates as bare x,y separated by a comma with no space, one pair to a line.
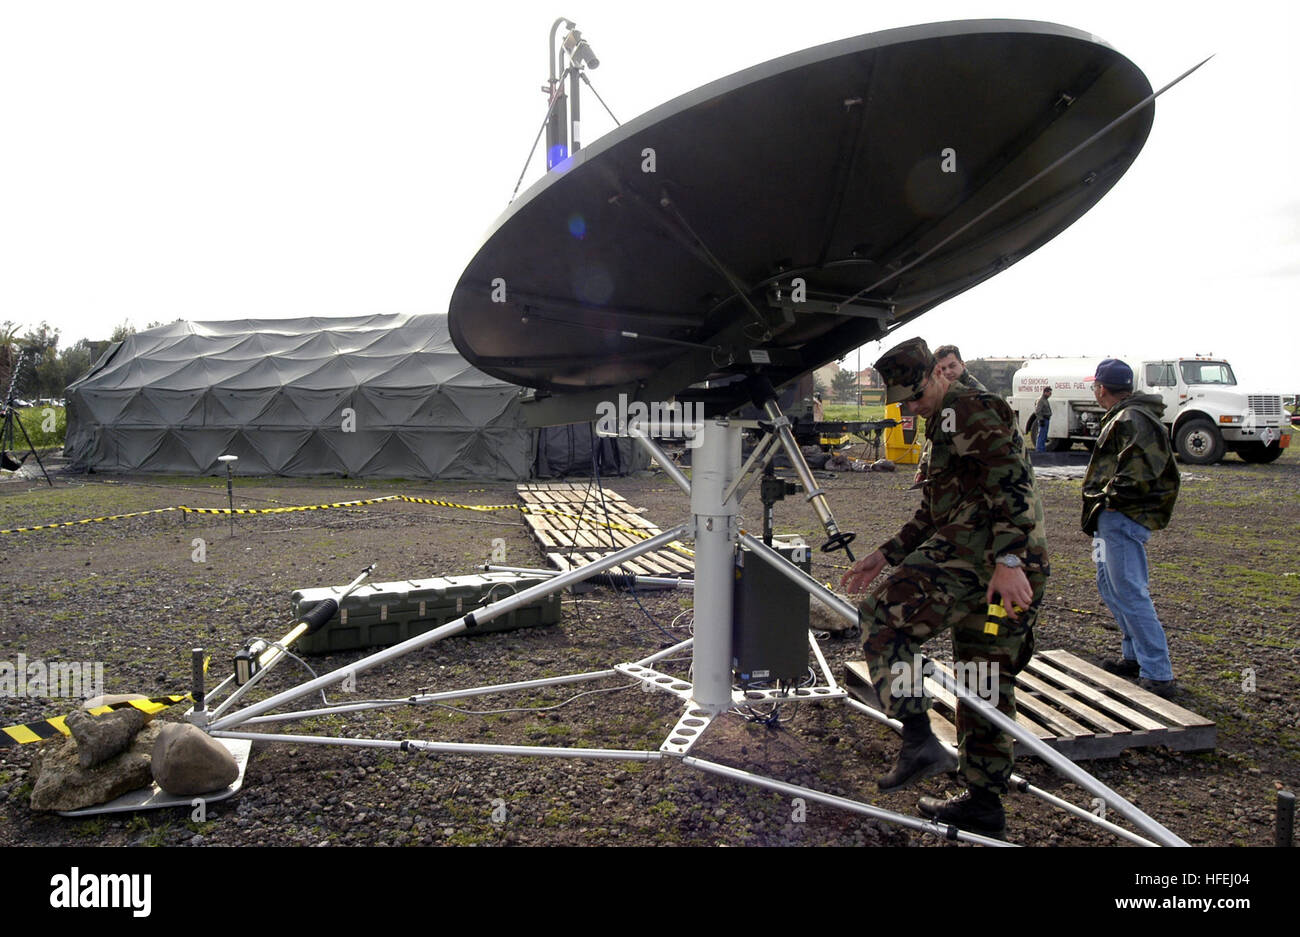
922,756
975,810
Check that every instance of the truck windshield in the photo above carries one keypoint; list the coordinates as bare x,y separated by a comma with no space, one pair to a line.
1207,372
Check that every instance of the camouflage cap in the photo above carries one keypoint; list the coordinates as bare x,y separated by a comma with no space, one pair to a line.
903,369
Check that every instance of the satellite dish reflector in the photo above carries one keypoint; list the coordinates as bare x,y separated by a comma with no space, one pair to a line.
753,224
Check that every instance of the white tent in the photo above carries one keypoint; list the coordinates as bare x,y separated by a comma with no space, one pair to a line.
380,396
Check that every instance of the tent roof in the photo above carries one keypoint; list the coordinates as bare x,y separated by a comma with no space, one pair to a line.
392,350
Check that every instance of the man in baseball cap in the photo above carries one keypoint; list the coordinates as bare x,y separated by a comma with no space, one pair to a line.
1128,492
1114,374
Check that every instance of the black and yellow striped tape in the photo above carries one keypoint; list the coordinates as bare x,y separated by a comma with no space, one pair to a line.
522,508
285,510
11,736
88,520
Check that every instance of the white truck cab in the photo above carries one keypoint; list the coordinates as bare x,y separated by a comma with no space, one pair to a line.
1206,413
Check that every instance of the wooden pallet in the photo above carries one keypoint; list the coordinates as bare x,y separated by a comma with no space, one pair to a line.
576,533
1076,707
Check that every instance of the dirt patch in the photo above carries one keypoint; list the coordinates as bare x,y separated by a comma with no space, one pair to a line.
129,593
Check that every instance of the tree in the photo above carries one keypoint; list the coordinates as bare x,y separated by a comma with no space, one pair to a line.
45,378
844,386
74,362
8,353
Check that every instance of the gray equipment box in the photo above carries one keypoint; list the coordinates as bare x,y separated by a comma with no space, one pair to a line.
384,613
769,633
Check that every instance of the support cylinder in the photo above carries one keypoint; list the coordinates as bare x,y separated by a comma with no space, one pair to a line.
715,463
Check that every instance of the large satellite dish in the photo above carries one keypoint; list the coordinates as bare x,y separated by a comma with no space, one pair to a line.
745,226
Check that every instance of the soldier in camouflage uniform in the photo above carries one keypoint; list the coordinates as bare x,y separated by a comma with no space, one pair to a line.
948,360
1129,491
978,533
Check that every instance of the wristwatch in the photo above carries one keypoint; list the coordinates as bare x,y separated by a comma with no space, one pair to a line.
1010,561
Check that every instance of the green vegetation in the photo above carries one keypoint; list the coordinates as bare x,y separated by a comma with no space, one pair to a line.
47,425
848,411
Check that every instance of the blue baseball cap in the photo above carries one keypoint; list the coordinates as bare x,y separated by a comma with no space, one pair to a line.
1114,373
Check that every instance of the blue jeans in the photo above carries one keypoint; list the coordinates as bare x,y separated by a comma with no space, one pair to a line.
1042,434
1119,550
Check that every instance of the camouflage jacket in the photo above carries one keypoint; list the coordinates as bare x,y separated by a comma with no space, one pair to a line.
1132,467
971,381
979,489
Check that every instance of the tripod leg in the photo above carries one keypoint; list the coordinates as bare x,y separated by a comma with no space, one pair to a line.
764,396
31,448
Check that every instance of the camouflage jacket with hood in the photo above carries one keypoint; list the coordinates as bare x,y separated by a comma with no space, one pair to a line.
979,493
1132,468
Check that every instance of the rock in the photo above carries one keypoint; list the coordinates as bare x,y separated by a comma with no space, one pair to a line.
99,738
60,783
187,761
883,465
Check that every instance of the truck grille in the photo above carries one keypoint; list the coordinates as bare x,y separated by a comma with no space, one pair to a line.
1266,406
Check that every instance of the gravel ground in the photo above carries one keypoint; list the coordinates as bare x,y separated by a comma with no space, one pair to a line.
130,594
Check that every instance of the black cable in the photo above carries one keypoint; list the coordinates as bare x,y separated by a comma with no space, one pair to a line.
592,88
604,506
555,99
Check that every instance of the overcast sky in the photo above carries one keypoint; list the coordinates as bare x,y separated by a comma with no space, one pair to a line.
272,159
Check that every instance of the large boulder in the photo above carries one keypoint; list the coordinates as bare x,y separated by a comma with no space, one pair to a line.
60,783
187,761
99,738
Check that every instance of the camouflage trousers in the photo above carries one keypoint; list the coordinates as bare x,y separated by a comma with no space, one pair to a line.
931,592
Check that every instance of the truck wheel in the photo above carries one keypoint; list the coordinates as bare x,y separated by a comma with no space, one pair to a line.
1259,453
1198,442
1059,445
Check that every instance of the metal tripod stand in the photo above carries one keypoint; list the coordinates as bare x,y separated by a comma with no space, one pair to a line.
7,457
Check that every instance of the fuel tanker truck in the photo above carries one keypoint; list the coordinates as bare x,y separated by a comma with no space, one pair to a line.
1206,413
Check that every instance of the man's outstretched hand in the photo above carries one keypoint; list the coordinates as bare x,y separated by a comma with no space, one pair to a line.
857,579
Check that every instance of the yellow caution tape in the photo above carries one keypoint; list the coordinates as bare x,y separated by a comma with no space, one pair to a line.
285,510
522,508
11,736
88,520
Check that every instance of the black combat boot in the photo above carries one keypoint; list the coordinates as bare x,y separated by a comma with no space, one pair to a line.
976,811
922,756
1121,666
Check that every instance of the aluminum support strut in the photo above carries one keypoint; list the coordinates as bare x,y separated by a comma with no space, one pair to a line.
665,462
454,748
878,813
486,613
